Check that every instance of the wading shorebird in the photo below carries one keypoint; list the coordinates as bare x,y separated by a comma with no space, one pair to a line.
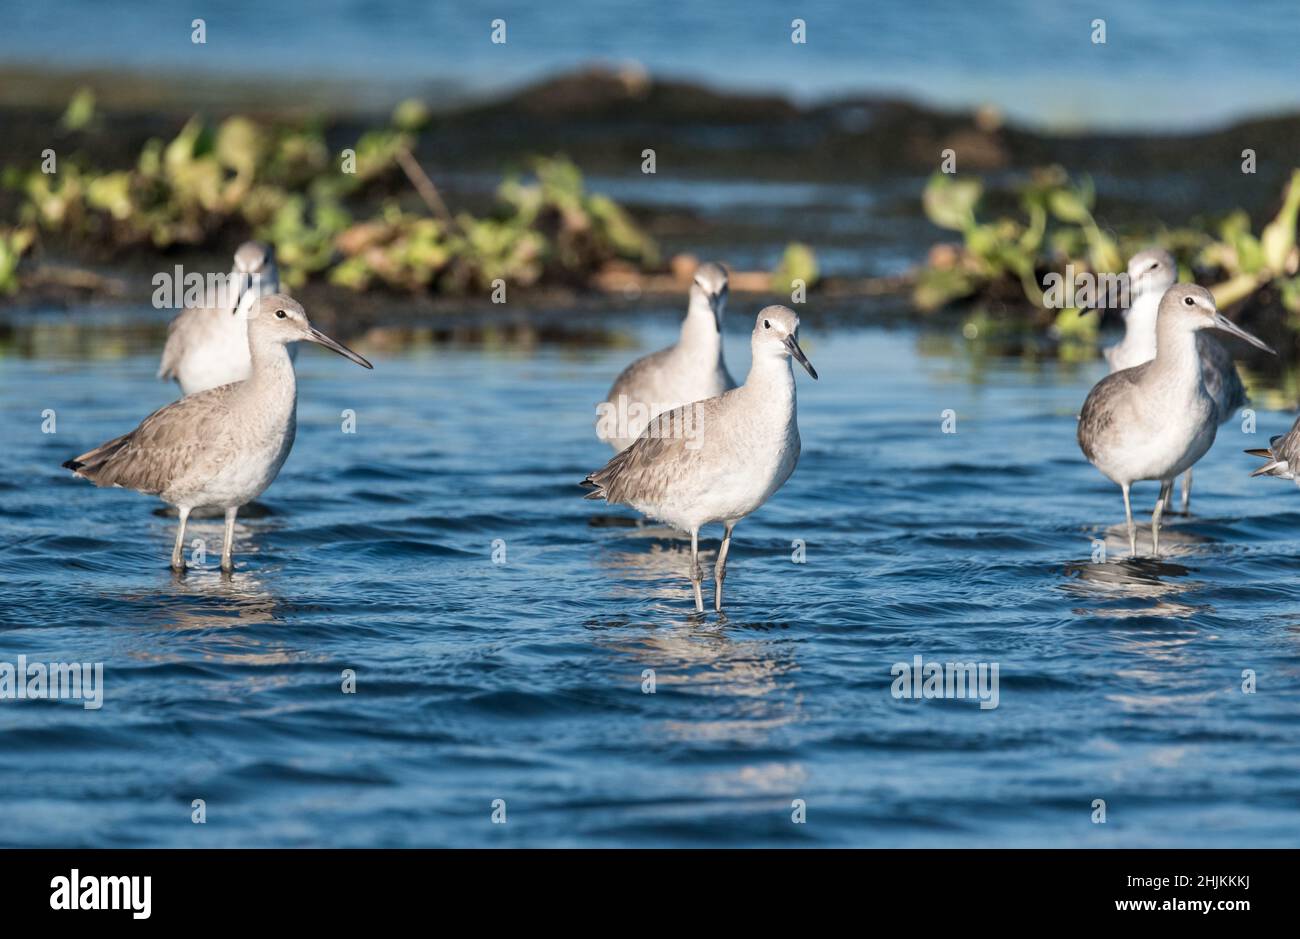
1283,455
691,370
1155,420
208,346
1150,274
221,447
746,448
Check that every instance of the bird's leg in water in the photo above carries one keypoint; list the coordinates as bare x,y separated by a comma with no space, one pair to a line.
1166,492
697,575
720,569
228,542
178,559
1132,532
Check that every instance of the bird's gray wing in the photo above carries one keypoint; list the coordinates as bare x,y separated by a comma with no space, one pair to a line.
657,463
178,441
1104,410
1220,375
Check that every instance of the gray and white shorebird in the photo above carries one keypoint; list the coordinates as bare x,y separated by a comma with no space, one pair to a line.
1155,420
692,369
745,446
208,346
222,447
1150,274
1282,454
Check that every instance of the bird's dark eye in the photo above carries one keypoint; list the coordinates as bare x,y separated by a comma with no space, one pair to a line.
1189,301
766,324
1154,265
279,314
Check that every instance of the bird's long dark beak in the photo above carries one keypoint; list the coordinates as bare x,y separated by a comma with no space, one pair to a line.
243,283
792,345
1228,326
716,302
315,335
248,284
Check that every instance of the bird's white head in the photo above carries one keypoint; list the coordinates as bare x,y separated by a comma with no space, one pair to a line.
776,335
709,288
1151,271
1190,308
279,320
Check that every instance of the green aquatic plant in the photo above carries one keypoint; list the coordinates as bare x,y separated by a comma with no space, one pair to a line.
179,191
989,250
80,111
303,231
491,249
53,200
1253,264
949,201
14,243
583,231
399,249
295,157
1060,235
546,224
414,252
283,185
1073,205
377,154
411,115
798,263
1058,226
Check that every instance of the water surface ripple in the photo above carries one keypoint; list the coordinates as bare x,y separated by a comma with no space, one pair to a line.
522,680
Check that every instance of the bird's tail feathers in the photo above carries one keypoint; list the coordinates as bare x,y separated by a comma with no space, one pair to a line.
1275,468
89,464
597,490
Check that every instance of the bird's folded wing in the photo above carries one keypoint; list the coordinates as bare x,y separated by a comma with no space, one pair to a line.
184,440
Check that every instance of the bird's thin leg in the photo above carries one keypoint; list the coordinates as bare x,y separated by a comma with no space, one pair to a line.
1132,532
1187,491
227,564
720,569
178,559
697,576
1166,491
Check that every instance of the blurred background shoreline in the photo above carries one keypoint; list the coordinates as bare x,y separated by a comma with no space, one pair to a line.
740,176
1195,65
787,161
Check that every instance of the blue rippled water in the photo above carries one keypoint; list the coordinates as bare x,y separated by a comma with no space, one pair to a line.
523,681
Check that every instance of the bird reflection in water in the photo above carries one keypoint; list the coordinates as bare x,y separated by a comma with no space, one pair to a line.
753,673
223,618
1118,577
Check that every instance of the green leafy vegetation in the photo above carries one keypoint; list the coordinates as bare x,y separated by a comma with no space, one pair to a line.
14,243
1253,265
1009,257
1006,255
336,216
798,263
81,110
